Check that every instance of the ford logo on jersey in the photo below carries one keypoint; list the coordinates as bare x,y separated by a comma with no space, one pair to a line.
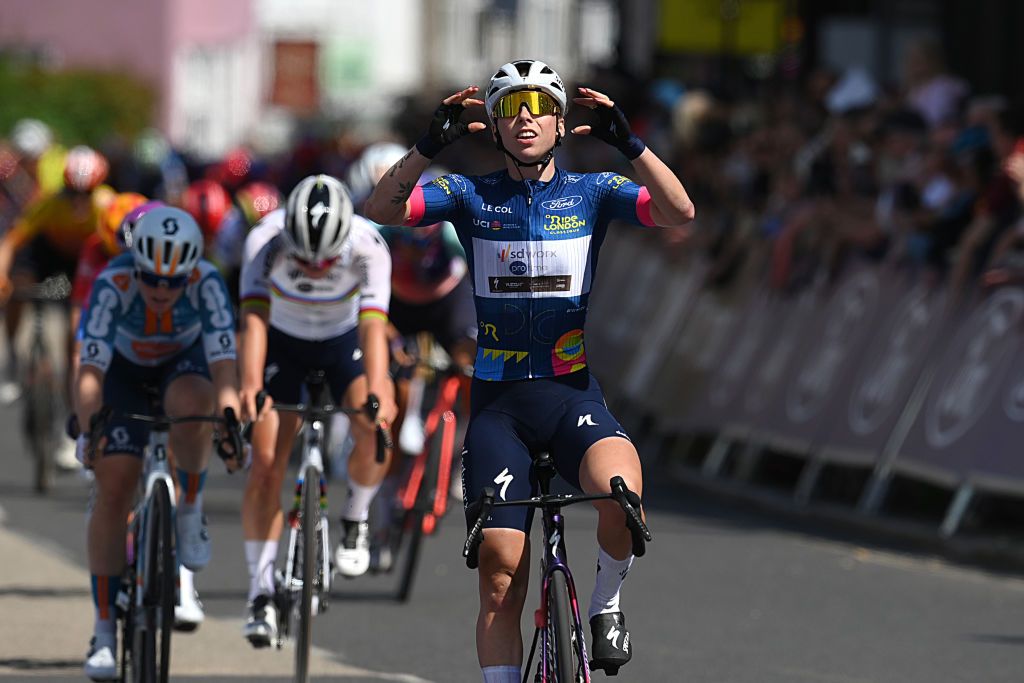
562,203
517,268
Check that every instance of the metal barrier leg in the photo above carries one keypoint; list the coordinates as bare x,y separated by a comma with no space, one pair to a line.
715,459
748,460
808,480
957,510
875,493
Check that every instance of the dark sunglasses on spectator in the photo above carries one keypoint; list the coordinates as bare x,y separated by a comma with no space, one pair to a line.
170,282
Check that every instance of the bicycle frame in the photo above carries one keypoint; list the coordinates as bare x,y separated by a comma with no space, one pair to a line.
555,559
440,415
312,455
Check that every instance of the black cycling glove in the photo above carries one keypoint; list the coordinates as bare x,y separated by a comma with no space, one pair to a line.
445,128
613,128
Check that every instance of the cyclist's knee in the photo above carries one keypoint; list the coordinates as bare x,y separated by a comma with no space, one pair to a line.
504,562
189,395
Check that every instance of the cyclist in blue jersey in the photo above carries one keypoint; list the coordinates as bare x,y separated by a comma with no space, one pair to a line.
158,315
532,233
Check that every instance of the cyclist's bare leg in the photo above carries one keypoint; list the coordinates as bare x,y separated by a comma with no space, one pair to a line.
116,477
603,460
363,468
272,439
190,395
13,312
504,577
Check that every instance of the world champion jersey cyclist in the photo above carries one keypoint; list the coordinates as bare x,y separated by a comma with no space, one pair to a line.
158,315
532,233
429,292
315,287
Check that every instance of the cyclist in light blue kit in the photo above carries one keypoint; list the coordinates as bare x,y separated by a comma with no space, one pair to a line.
158,315
532,233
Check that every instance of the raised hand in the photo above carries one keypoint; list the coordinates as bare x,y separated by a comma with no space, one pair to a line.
611,127
446,127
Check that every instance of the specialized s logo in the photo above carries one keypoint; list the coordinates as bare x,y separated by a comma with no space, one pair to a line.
562,203
318,212
503,480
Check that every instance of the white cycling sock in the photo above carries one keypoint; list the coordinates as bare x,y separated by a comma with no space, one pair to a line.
502,674
357,505
185,583
260,556
610,575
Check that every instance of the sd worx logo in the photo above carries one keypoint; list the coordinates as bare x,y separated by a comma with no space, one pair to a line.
507,252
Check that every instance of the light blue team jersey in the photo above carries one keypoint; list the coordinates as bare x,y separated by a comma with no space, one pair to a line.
532,250
118,319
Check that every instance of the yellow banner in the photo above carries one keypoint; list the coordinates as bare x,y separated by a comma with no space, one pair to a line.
740,27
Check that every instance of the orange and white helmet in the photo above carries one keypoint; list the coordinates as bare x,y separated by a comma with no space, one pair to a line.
110,223
167,242
84,168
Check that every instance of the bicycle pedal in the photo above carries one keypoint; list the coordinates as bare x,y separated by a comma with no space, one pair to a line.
609,669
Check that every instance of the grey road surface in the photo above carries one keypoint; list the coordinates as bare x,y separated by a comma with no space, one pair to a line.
724,595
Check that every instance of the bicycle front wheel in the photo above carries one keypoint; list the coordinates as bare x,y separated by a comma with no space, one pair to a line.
151,653
309,517
563,657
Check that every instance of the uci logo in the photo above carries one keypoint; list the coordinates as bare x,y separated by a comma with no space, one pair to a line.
562,203
517,268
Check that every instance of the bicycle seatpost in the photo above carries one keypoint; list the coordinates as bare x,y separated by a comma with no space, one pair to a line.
544,468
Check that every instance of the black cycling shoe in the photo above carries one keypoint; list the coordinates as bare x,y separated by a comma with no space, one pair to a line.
611,647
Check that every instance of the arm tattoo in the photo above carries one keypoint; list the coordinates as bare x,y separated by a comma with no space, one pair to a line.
404,190
400,164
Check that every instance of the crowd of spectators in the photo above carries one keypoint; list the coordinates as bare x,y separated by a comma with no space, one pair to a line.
790,178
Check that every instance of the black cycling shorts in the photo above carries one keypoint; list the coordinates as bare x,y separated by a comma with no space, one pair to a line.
290,360
450,319
509,421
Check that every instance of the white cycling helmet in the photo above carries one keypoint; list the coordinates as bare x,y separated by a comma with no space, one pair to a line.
318,218
31,137
167,241
373,163
525,74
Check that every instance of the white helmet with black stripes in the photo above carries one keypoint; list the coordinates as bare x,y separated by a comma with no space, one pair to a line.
167,242
318,218
525,74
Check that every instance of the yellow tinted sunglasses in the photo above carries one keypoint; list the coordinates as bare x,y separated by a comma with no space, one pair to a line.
539,104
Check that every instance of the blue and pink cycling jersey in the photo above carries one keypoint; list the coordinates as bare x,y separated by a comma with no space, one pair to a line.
532,249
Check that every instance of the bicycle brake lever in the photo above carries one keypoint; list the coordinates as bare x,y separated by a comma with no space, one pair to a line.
630,503
471,549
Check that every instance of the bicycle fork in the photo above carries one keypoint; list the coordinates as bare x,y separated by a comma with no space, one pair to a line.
554,560
292,583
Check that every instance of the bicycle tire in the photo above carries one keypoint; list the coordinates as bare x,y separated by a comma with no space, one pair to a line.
152,637
560,630
414,518
412,536
309,514
39,430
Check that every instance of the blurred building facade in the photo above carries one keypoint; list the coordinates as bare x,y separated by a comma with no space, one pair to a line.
200,57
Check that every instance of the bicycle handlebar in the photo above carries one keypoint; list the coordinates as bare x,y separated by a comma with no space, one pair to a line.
309,411
620,493
232,459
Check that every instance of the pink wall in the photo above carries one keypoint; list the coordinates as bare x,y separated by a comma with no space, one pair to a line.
138,36
207,22
100,33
